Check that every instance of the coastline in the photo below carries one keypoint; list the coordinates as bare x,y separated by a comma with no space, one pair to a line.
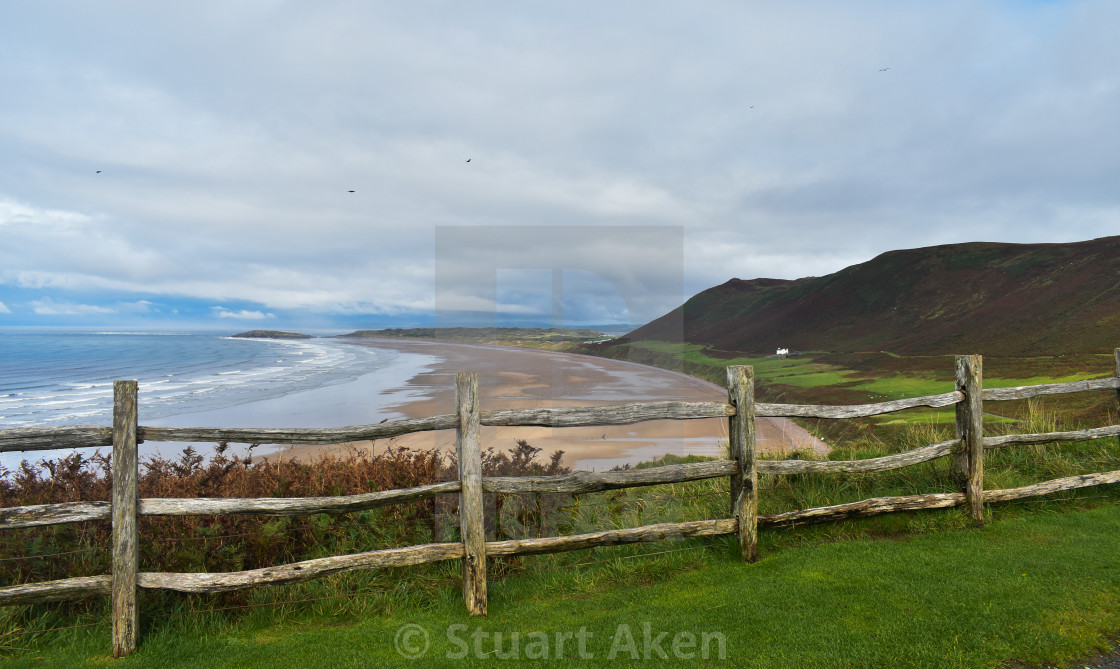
511,377
415,379
62,377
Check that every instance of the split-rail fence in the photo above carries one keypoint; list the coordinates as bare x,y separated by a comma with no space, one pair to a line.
743,466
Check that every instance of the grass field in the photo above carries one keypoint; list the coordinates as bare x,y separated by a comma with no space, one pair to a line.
817,377
1041,587
922,589
917,417
881,374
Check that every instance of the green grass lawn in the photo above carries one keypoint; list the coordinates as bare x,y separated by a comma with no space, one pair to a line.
922,416
856,378
806,371
1035,588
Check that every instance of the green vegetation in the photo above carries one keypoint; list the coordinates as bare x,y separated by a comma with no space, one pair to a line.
816,377
1033,586
899,387
941,417
691,353
1036,380
888,376
1037,584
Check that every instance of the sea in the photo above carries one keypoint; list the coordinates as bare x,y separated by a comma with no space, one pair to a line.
60,377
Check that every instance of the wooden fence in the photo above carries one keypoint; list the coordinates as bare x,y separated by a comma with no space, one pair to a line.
741,410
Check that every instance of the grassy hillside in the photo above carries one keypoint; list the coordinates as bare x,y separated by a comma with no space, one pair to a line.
987,298
864,377
888,328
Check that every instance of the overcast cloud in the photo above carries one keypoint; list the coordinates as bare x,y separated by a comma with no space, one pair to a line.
781,140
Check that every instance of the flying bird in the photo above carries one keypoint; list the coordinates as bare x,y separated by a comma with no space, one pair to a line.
468,160
884,69
349,191
98,171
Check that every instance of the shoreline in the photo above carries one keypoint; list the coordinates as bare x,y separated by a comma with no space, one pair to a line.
512,377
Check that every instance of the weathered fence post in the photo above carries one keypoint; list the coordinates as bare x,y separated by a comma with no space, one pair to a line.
741,438
126,561
1116,353
471,524
969,458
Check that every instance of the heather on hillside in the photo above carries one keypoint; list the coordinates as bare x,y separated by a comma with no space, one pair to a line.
238,542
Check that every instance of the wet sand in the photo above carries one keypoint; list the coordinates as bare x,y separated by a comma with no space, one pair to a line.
513,378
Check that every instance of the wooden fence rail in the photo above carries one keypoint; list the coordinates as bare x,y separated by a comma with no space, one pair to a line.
743,467
53,438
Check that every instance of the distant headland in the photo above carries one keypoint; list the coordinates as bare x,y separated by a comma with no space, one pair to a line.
548,338
271,334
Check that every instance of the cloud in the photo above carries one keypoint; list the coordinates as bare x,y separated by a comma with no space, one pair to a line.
244,314
51,307
765,131
4,309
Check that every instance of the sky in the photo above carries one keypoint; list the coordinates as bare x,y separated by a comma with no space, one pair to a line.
287,165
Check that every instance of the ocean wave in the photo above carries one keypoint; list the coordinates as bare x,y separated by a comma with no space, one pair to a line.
177,374
87,386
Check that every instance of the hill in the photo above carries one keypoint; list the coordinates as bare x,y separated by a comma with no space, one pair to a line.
981,297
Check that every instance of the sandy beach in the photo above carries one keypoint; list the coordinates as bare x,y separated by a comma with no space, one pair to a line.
511,378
